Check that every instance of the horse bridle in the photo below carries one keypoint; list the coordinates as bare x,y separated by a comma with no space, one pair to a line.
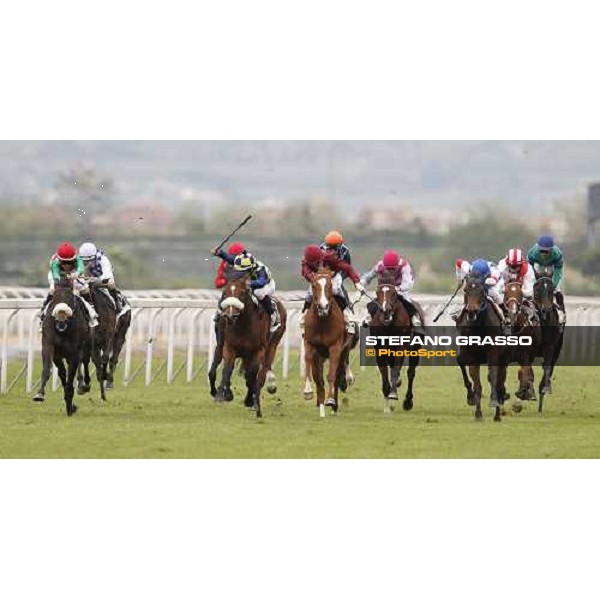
482,300
545,283
388,311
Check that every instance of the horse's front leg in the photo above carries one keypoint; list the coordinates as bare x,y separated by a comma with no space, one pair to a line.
335,353
308,389
224,393
467,383
252,384
413,363
216,361
47,358
317,365
494,401
474,372
68,380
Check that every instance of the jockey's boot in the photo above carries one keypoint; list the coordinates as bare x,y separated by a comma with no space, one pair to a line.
415,317
371,310
271,309
44,307
114,294
562,313
92,314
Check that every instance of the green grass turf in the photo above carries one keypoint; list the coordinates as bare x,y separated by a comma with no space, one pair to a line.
180,420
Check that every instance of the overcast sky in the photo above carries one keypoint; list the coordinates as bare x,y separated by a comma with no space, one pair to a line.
428,173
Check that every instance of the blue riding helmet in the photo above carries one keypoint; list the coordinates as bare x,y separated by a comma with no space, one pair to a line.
481,268
546,242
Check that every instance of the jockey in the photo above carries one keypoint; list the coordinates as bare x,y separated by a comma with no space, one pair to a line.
404,279
99,270
490,276
314,258
514,267
334,243
546,254
261,281
67,263
221,279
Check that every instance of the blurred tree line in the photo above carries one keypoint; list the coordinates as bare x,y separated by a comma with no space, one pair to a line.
169,247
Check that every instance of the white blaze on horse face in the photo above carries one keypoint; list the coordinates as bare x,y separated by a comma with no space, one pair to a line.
323,299
385,291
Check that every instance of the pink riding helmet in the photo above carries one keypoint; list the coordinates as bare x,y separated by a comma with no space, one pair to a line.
391,259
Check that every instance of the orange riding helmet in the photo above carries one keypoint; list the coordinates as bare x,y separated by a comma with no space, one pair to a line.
334,238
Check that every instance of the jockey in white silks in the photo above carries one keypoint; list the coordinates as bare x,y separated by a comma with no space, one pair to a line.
514,267
99,270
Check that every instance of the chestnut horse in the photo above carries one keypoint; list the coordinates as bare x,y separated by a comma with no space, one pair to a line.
246,335
392,315
325,337
523,321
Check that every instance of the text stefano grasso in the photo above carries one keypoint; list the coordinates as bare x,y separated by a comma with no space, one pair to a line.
447,340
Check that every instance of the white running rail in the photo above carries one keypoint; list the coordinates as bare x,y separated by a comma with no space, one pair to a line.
172,333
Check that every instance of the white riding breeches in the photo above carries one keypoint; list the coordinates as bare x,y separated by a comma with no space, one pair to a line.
267,290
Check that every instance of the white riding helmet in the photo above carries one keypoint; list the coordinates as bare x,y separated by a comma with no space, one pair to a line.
88,251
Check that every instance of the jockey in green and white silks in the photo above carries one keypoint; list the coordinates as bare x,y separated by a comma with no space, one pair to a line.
67,263
546,254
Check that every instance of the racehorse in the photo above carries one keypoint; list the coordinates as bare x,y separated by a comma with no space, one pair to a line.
552,332
101,348
246,335
391,316
478,318
325,337
523,322
65,335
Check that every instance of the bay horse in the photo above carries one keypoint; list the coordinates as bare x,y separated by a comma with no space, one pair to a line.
523,321
246,335
478,318
65,335
552,332
101,348
392,317
326,337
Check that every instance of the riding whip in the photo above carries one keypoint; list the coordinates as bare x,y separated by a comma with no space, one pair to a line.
449,302
233,232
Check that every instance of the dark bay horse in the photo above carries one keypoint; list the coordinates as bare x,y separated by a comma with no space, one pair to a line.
523,322
478,318
326,337
552,332
65,336
101,348
392,318
246,335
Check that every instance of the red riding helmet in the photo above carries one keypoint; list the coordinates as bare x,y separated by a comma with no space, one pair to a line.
236,248
514,258
391,259
66,252
313,254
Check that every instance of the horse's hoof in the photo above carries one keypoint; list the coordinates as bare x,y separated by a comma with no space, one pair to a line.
249,403
83,389
479,418
517,407
110,385
407,405
330,402
71,412
38,398
506,396
392,396
308,396
272,388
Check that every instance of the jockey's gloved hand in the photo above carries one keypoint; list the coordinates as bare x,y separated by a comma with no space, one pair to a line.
360,287
214,251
